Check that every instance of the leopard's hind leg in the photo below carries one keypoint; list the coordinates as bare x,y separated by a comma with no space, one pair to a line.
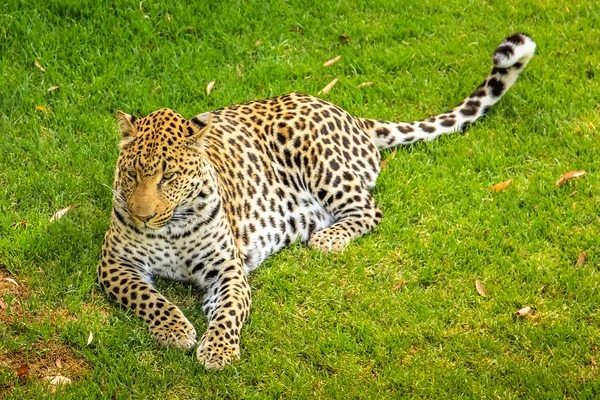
353,208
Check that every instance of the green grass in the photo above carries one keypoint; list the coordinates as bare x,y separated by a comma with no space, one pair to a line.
321,326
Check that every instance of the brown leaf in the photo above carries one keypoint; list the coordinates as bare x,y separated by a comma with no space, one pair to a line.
20,224
480,288
523,312
155,89
169,17
345,37
37,64
400,283
258,42
23,370
581,258
41,108
297,30
501,186
58,363
569,175
327,88
365,84
385,162
50,89
332,61
209,87
61,213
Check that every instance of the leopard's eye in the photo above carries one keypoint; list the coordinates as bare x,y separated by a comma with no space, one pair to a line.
132,173
167,177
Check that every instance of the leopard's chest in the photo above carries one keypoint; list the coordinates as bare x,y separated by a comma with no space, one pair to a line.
173,253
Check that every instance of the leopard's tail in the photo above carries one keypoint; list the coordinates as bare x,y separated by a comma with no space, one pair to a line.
510,58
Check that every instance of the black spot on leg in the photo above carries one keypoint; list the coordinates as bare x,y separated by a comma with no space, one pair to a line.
211,274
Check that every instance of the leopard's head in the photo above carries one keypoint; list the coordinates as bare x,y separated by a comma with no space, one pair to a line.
157,170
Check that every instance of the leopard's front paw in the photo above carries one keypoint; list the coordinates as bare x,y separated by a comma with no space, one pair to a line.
178,332
218,348
328,241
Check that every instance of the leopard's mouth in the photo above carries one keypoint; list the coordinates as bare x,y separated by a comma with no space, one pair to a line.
154,222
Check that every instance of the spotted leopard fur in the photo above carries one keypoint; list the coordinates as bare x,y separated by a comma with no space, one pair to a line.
208,199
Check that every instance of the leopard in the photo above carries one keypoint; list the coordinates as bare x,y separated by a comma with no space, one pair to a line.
207,199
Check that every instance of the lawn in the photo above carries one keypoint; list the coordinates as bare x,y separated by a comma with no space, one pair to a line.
397,314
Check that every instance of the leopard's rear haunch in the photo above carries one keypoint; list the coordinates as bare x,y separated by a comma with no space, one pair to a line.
509,59
208,199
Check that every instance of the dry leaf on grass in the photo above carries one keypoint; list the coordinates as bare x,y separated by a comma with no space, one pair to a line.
345,37
385,162
41,108
258,42
480,288
90,338
11,280
23,370
501,186
37,64
400,283
20,224
327,88
581,258
209,87
569,175
58,380
169,17
332,61
365,84
155,89
58,363
523,312
50,89
61,213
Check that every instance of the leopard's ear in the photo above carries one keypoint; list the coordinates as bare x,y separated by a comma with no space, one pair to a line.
126,125
198,126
